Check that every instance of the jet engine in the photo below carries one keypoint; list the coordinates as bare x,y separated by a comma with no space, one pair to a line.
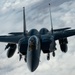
63,44
22,45
43,31
11,49
33,32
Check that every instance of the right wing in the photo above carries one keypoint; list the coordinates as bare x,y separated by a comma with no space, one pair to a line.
64,34
58,35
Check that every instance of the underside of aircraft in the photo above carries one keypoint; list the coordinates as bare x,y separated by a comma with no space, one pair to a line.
30,44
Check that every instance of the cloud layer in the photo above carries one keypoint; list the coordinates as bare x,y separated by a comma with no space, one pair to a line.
37,16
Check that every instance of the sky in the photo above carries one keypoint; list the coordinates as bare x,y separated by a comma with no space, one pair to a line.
38,16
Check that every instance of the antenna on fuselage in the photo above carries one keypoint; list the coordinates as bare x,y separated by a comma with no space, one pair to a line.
51,18
24,21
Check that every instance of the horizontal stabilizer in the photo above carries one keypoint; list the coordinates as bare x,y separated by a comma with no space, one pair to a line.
16,33
62,29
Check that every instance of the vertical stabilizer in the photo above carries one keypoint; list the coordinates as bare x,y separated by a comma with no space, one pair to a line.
24,21
51,18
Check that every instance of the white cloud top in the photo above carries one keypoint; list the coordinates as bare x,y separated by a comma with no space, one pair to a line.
37,16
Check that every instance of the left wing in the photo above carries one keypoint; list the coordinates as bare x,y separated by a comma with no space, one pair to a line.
10,39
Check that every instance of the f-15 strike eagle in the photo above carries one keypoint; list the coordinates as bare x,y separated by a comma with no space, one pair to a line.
30,44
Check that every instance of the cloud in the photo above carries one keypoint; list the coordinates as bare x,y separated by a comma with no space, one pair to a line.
37,16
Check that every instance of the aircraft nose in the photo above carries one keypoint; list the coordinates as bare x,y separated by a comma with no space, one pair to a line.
32,60
32,69
33,65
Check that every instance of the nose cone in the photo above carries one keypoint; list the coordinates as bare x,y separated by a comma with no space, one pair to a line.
32,60
33,65
33,68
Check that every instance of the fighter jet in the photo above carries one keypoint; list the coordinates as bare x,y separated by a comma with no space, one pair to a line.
30,44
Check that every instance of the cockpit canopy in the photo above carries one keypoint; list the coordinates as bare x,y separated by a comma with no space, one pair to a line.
33,32
33,43
43,31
